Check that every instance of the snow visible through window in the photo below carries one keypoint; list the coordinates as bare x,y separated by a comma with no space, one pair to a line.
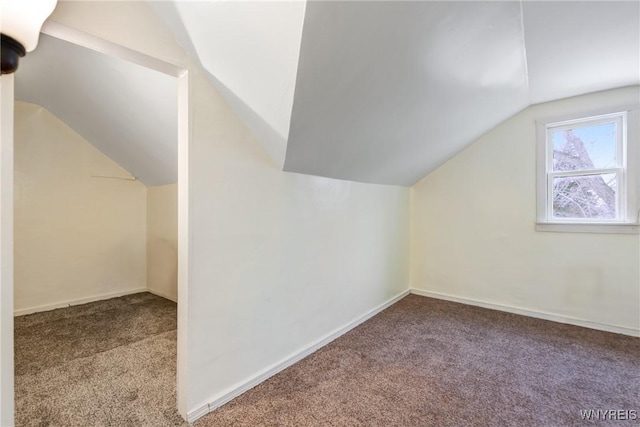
594,151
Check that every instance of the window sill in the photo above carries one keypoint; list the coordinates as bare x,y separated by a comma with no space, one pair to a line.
604,228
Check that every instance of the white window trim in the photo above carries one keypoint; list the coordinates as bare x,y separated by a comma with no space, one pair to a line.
628,175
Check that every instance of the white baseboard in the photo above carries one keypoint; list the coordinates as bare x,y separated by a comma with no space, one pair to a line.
48,307
531,313
235,391
162,294
200,412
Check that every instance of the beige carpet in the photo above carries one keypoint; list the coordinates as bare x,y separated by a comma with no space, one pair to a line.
108,363
425,362
422,362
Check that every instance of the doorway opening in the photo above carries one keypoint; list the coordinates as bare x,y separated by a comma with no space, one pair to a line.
100,235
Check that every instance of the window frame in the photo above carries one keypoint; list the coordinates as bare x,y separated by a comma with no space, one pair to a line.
626,171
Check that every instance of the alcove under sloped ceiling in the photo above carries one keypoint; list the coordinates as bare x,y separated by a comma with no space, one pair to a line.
126,111
380,92
386,91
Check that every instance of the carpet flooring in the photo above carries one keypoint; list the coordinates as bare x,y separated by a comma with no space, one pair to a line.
426,362
107,363
422,362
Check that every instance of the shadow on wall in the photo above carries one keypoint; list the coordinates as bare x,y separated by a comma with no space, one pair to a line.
162,240
163,274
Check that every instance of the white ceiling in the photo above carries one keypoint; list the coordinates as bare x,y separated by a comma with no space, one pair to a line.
581,47
250,50
380,91
126,111
388,91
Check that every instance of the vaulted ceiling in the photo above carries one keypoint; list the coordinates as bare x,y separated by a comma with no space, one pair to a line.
380,91
386,91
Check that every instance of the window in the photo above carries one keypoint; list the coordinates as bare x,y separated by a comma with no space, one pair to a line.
585,176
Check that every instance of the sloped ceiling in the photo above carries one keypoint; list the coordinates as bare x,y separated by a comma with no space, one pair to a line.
126,111
386,91
392,90
250,50
380,91
575,48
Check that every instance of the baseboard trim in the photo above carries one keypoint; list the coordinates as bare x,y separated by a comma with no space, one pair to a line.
49,307
199,413
162,294
235,391
531,313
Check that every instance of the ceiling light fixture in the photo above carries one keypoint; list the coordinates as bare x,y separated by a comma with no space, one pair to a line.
20,24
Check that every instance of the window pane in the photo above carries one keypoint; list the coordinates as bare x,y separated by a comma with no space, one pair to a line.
585,147
592,196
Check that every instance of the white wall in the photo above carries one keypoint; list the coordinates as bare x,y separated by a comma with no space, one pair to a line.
253,62
162,240
76,236
6,250
277,260
473,231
